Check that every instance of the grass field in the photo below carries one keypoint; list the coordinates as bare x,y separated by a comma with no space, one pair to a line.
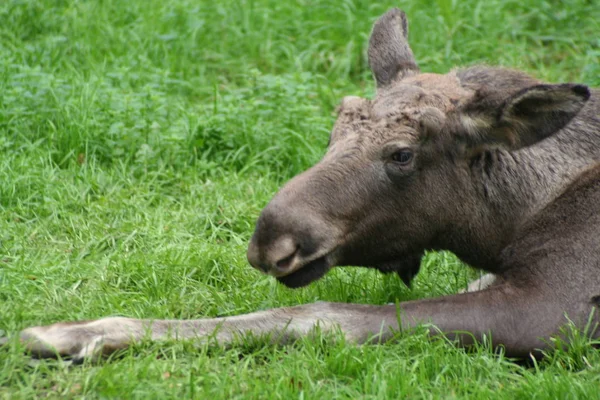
139,140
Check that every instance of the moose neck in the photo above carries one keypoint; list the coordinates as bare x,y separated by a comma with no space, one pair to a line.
511,186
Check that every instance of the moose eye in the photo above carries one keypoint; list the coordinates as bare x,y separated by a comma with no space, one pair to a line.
403,156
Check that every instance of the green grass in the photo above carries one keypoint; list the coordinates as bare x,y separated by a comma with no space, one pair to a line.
139,140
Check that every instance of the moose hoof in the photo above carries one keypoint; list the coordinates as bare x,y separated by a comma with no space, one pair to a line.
76,340
479,284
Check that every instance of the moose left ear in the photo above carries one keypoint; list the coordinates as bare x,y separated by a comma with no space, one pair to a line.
390,56
537,112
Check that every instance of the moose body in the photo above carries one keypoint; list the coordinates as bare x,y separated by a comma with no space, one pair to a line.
489,163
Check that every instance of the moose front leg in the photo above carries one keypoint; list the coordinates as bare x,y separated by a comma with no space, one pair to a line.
91,339
512,318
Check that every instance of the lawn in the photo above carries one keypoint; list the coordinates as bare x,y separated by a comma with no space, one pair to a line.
139,140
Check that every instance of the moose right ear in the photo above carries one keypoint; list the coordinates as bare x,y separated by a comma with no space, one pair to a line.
539,111
390,57
528,116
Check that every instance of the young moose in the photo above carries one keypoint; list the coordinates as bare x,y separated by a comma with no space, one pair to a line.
489,163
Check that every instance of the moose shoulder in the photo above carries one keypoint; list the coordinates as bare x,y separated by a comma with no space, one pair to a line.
490,163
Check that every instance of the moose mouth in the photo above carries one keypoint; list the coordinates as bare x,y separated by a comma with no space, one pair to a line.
310,272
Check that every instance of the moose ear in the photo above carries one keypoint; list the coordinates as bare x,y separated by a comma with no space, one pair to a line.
390,57
537,112
529,116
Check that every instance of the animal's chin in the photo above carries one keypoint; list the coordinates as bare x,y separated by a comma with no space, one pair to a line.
407,267
311,272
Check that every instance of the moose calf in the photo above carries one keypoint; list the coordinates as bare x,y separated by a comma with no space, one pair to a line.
489,163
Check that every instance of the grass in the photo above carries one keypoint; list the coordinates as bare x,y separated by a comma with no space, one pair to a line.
139,140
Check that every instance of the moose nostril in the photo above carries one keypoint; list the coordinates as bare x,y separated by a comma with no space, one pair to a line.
287,261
